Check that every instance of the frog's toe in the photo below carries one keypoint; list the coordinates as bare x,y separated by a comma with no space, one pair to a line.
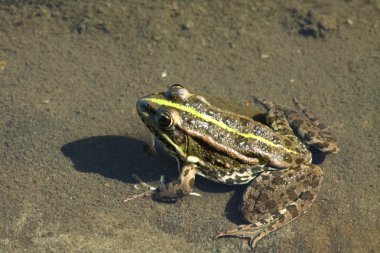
247,231
265,103
139,195
195,194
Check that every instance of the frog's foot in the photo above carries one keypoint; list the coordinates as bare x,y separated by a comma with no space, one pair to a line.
139,196
265,103
311,130
153,193
148,193
307,126
275,198
253,232
177,189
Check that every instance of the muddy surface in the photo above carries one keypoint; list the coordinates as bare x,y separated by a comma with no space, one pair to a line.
71,72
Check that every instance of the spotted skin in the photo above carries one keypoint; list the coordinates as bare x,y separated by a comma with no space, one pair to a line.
275,198
309,129
235,149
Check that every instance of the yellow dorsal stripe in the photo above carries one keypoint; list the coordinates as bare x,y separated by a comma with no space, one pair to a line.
213,121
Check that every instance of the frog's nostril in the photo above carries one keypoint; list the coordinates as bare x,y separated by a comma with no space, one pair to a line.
144,106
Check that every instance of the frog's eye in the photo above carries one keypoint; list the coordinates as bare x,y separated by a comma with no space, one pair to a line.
165,120
176,86
177,93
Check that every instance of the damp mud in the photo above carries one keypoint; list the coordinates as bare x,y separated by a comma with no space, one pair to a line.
70,137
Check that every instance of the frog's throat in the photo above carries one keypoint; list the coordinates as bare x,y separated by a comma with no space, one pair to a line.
220,124
177,148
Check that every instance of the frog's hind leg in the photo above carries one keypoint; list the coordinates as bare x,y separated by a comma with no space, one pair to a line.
274,199
311,130
308,128
254,232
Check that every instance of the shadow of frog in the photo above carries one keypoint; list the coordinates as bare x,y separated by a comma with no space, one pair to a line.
117,157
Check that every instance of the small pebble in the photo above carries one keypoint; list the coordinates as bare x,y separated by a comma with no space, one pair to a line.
2,65
189,24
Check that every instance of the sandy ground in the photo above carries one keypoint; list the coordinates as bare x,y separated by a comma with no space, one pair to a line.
70,75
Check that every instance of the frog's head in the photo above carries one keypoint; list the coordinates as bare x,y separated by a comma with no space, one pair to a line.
161,113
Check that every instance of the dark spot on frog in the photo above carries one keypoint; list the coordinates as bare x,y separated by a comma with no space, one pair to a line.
287,158
315,182
291,194
307,196
190,122
271,205
309,136
322,126
186,172
296,123
292,210
264,198
270,120
278,181
265,177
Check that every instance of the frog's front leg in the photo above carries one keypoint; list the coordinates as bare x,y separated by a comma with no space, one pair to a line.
275,198
177,189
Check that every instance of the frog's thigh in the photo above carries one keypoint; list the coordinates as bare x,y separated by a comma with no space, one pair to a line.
275,198
184,186
275,192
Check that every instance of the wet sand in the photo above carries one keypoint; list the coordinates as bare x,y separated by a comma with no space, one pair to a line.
70,75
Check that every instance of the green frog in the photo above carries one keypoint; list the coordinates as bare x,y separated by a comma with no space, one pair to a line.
234,149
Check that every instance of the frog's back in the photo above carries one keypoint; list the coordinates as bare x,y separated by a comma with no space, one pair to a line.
236,135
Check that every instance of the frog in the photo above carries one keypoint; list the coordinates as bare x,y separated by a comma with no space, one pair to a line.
271,156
